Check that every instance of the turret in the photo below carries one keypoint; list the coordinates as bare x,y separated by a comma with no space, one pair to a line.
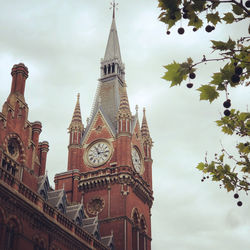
36,131
124,114
124,119
19,75
76,130
147,145
76,127
43,148
147,141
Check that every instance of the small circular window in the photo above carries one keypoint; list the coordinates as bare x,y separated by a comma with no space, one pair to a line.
13,148
95,206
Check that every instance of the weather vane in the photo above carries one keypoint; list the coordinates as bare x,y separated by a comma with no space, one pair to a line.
114,7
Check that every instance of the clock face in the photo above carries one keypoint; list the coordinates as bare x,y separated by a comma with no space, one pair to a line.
98,153
136,159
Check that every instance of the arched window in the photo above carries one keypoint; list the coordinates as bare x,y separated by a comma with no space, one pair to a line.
142,237
109,68
105,69
113,67
11,235
135,229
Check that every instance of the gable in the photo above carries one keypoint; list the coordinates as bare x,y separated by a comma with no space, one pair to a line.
98,128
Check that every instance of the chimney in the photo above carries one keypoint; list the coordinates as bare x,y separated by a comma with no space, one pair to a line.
43,148
19,75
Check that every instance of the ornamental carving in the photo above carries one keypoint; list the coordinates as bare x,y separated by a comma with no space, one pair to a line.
95,205
13,148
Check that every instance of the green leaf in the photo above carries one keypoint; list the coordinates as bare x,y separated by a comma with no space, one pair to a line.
198,5
175,73
220,123
237,10
229,186
217,78
243,116
227,130
200,166
195,21
219,45
227,168
214,18
211,167
227,72
208,93
228,17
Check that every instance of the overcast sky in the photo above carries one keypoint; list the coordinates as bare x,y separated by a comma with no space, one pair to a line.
62,42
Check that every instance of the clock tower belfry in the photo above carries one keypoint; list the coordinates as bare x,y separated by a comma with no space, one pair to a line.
112,169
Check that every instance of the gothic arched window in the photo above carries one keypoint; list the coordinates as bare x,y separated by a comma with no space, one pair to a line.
113,67
135,229
11,235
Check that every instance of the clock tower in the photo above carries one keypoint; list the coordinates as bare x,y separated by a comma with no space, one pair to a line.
109,161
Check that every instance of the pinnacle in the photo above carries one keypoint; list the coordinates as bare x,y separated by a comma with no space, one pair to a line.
144,127
124,109
77,117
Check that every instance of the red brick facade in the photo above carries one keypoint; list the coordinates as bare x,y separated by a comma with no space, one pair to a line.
27,219
104,199
118,188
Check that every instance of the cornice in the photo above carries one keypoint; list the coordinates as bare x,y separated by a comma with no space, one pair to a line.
117,175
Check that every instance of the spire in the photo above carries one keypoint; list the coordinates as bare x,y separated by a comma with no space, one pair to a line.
124,109
144,127
112,80
76,121
112,51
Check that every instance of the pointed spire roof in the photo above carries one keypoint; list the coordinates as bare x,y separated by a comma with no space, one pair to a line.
113,48
77,117
144,127
124,109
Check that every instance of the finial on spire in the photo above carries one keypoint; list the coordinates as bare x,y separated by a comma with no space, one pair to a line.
78,96
114,6
136,109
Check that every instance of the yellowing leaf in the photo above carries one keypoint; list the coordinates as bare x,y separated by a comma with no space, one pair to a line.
200,166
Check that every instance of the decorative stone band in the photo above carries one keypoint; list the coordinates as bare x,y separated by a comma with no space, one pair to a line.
118,175
44,146
20,68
